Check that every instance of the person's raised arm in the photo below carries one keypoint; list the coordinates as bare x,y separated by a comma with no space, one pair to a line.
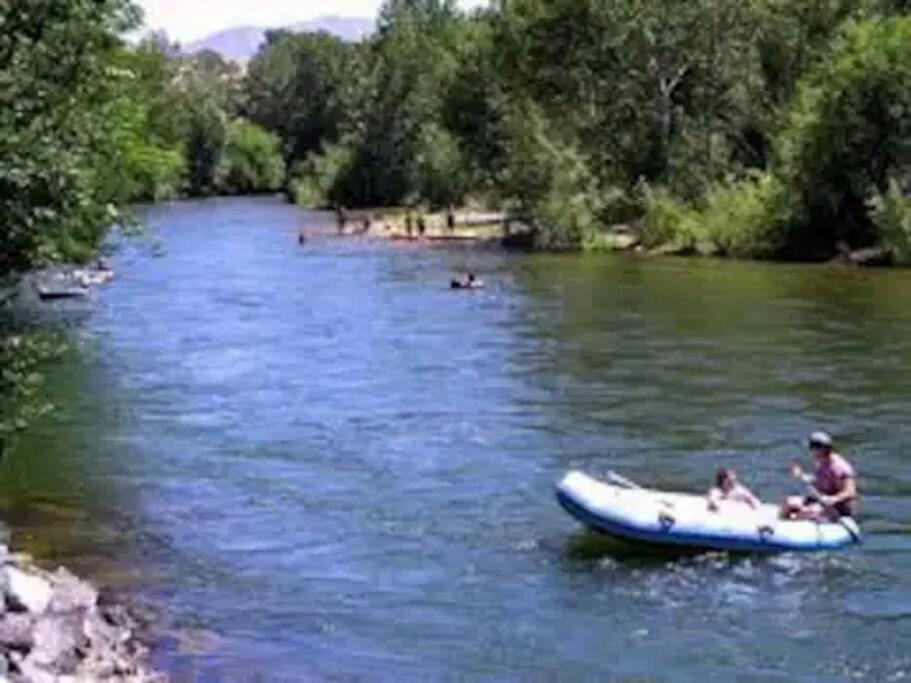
798,473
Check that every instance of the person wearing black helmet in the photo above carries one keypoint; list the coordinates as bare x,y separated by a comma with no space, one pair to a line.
833,484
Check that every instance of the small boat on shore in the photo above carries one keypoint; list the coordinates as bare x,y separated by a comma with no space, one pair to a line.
72,283
624,511
53,293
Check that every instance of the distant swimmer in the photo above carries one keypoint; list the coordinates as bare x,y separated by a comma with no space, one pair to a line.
341,219
467,282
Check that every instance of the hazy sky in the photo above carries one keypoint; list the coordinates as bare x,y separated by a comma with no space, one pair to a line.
190,19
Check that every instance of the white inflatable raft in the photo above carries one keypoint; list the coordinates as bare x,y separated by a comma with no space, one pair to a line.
657,518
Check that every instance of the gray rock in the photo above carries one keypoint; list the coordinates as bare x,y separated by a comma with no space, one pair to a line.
102,634
28,591
707,248
871,257
118,615
55,631
620,241
98,668
35,673
71,593
16,632
674,249
56,640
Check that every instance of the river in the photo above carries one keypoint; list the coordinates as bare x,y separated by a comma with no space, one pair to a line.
332,468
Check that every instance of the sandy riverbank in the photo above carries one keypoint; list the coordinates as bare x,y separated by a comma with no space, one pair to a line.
405,225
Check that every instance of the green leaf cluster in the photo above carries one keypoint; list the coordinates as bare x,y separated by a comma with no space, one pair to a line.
23,353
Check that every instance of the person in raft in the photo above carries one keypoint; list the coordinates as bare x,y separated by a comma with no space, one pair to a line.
833,492
728,488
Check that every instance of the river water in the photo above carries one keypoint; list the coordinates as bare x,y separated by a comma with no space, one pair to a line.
329,467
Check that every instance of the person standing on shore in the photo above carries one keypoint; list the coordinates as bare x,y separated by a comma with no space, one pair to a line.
833,485
340,219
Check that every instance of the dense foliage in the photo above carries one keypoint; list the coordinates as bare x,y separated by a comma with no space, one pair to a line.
757,127
21,356
57,80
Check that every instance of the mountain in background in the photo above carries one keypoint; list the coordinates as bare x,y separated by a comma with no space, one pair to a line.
242,42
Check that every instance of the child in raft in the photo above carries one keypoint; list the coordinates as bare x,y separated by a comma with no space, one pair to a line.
728,488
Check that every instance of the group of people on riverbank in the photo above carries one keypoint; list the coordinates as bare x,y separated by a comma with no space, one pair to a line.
832,488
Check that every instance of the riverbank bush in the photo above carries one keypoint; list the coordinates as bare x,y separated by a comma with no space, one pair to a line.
890,212
666,221
747,219
22,354
315,182
847,137
848,134
151,173
252,160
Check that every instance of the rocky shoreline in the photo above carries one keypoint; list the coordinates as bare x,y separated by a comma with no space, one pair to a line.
54,629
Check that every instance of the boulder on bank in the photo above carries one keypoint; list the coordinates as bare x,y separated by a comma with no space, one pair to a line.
871,257
614,241
674,249
53,629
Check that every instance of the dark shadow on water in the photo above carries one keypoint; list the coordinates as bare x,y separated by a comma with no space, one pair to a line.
590,546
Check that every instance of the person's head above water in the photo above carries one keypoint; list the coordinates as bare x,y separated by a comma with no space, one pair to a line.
725,479
820,444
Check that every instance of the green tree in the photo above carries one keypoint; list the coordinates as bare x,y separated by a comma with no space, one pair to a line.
54,140
305,88
205,146
148,162
847,136
252,160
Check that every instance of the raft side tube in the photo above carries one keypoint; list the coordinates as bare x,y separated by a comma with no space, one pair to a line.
657,518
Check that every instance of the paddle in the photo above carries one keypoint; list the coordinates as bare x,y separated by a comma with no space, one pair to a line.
847,523
667,521
615,478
